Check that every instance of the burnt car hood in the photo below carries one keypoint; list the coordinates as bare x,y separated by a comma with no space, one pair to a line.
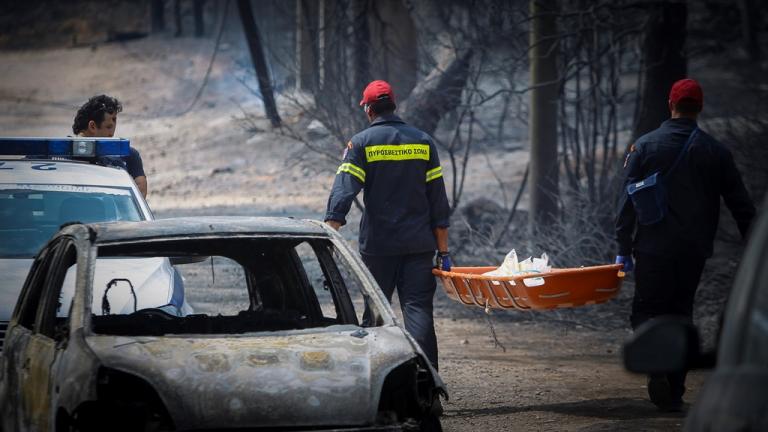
297,378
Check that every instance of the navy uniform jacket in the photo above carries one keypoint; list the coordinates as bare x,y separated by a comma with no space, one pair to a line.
404,192
134,164
705,173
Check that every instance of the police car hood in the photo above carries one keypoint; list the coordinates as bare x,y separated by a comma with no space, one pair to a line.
321,377
14,273
152,279
130,284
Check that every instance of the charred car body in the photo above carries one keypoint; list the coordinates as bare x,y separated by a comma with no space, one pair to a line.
274,342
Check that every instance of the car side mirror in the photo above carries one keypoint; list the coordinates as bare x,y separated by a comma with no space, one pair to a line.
662,345
187,259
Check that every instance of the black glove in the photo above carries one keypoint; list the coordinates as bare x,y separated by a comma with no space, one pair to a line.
443,261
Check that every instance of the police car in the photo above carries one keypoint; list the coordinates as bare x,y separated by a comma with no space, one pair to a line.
48,182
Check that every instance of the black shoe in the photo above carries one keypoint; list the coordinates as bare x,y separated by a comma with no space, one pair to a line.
660,392
437,407
676,405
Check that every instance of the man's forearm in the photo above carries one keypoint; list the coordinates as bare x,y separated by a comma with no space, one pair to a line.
141,183
441,238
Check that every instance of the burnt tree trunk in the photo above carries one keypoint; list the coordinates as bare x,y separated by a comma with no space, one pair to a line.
307,45
158,15
197,7
543,113
750,27
361,36
177,17
393,42
438,93
664,62
259,60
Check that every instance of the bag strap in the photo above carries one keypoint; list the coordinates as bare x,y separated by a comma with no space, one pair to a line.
682,152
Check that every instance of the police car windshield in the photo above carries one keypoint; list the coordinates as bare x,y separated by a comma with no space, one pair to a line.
31,213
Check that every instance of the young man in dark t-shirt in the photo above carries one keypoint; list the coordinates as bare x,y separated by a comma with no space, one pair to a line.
98,118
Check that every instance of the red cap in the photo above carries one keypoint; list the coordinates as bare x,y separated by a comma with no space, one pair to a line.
377,90
686,89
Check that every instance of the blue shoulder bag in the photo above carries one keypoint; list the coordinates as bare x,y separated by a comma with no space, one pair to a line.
649,195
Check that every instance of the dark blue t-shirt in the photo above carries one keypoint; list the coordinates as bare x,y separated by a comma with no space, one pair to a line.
131,163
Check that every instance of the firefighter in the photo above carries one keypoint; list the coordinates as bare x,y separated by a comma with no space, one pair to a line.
696,170
406,210
98,118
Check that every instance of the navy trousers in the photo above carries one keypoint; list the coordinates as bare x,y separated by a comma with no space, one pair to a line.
415,283
665,286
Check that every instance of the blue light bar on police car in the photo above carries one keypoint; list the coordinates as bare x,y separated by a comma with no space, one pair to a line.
73,147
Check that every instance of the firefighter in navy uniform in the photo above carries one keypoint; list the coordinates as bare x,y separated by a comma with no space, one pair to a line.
671,253
406,210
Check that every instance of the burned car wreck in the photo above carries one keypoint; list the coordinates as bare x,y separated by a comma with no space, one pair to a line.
273,340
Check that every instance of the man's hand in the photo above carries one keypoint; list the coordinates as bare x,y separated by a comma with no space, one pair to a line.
629,264
333,224
443,261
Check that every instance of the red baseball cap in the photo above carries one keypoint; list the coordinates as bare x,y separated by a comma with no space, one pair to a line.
377,90
686,89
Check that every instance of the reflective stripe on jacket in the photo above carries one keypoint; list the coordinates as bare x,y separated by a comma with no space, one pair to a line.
398,168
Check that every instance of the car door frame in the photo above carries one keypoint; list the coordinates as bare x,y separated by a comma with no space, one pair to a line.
21,331
75,366
17,338
62,369
45,348
339,291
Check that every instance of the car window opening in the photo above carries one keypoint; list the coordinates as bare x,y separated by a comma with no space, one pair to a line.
227,286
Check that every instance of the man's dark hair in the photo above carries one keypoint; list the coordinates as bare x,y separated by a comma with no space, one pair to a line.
95,109
383,106
688,106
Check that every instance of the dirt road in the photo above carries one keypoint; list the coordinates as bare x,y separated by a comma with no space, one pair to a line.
551,378
559,372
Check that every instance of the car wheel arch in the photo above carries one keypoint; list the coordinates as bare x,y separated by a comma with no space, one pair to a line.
408,389
120,395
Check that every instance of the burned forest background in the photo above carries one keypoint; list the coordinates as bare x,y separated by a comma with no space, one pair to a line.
563,86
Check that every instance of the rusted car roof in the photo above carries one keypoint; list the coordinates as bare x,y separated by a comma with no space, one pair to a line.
204,226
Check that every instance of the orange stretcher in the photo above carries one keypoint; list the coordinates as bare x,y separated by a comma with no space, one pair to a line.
559,288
